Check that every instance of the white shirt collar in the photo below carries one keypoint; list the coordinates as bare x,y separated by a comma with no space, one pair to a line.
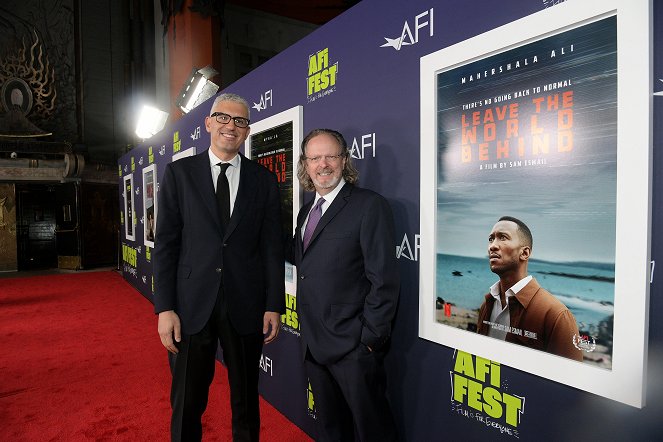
512,291
330,196
214,160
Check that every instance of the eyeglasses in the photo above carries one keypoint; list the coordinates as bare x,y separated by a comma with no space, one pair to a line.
225,119
330,158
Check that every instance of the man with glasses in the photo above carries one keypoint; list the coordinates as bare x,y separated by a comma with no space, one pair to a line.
347,292
218,272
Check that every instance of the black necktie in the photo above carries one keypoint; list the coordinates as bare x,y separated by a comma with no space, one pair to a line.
223,195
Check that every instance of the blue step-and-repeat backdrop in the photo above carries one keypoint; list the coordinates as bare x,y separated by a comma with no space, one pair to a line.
458,113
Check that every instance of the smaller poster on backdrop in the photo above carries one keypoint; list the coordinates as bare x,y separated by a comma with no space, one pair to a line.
274,143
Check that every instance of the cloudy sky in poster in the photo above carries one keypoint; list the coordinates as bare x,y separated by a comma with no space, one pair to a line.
568,197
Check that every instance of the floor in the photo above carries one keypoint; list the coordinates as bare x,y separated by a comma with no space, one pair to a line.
29,273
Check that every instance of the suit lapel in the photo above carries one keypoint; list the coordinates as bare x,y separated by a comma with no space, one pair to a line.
245,194
202,178
301,217
337,205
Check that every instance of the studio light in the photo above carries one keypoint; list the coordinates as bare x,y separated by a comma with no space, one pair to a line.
150,122
197,88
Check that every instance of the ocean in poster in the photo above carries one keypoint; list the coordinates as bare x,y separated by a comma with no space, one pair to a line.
587,289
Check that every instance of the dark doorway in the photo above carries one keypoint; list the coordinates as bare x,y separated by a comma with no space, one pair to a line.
35,226
68,231
100,224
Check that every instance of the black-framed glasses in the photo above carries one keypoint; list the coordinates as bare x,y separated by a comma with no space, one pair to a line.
222,118
329,158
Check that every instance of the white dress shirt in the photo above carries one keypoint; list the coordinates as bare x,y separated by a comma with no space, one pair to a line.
232,173
329,198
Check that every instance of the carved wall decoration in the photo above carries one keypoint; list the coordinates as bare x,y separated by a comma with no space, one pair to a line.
28,79
39,37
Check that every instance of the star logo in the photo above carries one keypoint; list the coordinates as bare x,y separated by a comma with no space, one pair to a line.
195,134
264,99
395,43
421,24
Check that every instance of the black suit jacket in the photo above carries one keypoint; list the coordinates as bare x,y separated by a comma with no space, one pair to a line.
192,258
348,280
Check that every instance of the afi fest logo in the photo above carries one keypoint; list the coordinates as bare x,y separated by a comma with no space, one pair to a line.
423,20
360,146
321,80
407,250
264,99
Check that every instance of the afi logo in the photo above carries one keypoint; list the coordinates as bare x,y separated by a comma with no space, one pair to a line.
264,99
196,134
358,149
407,251
266,364
425,19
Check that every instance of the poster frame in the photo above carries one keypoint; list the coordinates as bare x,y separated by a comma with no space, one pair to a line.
129,217
151,168
191,151
295,115
625,382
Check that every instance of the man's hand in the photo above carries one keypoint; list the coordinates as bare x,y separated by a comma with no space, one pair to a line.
271,323
169,328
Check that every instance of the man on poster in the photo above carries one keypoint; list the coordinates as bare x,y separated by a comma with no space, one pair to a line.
518,309
347,291
218,272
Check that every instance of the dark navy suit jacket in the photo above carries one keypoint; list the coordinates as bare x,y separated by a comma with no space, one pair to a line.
348,279
192,257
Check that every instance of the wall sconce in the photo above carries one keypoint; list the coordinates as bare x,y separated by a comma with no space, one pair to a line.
197,88
150,122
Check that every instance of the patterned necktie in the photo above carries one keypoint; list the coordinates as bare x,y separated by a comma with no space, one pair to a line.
223,195
313,219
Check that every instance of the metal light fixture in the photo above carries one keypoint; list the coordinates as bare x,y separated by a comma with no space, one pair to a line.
150,122
197,88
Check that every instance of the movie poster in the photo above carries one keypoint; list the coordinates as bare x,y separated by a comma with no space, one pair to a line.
531,133
149,205
273,149
532,121
129,208
273,143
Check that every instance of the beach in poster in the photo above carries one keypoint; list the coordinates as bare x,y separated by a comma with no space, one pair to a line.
531,132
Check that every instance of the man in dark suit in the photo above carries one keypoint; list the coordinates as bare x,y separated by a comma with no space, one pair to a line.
218,272
347,292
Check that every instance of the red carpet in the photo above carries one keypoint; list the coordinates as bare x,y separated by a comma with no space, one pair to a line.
81,360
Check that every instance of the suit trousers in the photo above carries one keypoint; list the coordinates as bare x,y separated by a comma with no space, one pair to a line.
349,397
193,370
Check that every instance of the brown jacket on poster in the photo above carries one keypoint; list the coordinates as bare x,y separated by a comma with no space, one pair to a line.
538,320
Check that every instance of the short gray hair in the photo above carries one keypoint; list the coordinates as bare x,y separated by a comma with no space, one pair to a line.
232,97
